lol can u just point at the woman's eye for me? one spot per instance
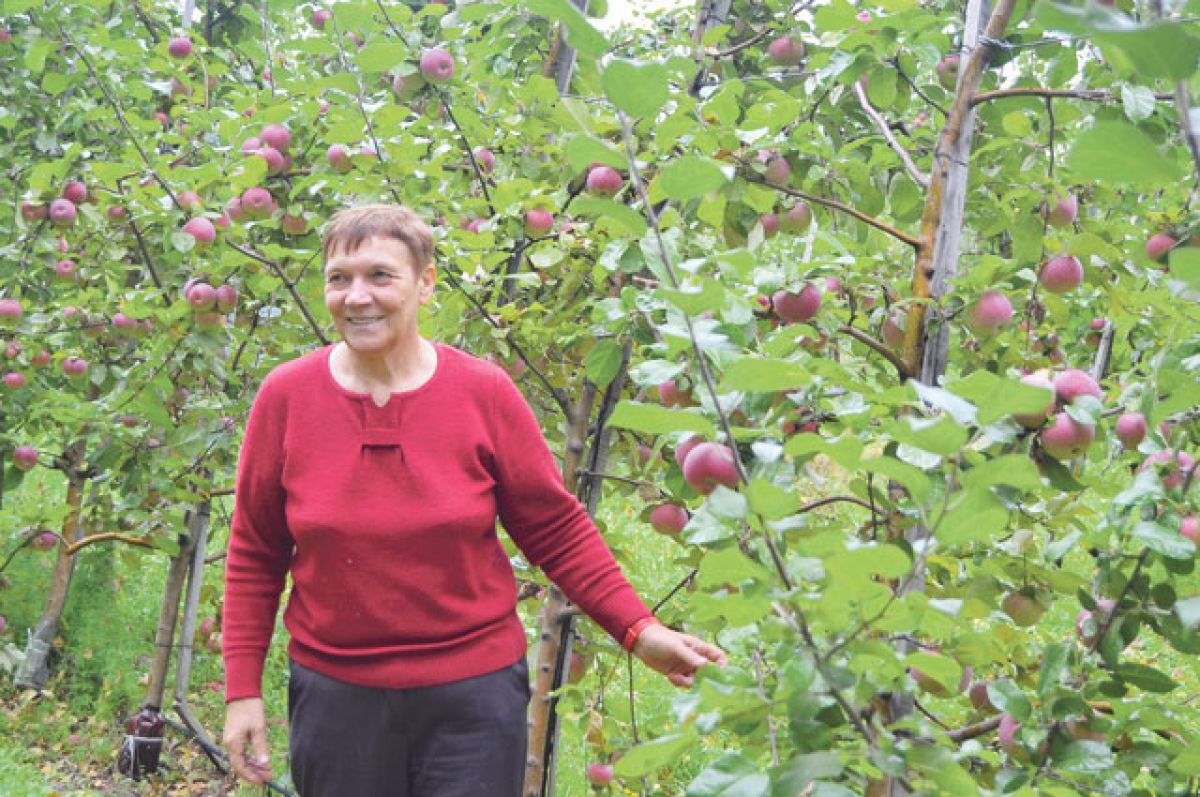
(334, 278)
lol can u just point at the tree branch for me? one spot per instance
(901, 367)
(291, 286)
(882, 124)
(1095, 95)
(834, 204)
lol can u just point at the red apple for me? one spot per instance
(709, 465)
(1025, 607)
(798, 307)
(44, 541)
(227, 297)
(1061, 274)
(947, 71)
(74, 366)
(1062, 210)
(785, 51)
(180, 47)
(685, 448)
(670, 394)
(277, 136)
(292, 224)
(1131, 429)
(202, 230)
(599, 774)
(1158, 246)
(1006, 734)
(10, 311)
(124, 323)
(1067, 438)
(1174, 478)
(989, 314)
(604, 181)
(797, 219)
(485, 159)
(668, 518)
(778, 171)
(202, 296)
(257, 203)
(75, 191)
(437, 65)
(1087, 634)
(770, 224)
(32, 211)
(62, 212)
(1190, 527)
(1072, 383)
(538, 222)
(319, 17)
(41, 359)
(14, 380)
(979, 697)
(339, 158)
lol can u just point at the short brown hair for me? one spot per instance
(351, 226)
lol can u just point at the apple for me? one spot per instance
(1072, 383)
(202, 230)
(13, 350)
(213, 643)
(1098, 324)
(770, 224)
(947, 71)
(476, 225)
(1131, 429)
(1062, 210)
(1006, 734)
(778, 171)
(62, 212)
(576, 668)
(1174, 478)
(708, 465)
(1066, 438)
(273, 157)
(201, 296)
(227, 297)
(25, 457)
(485, 159)
(10, 311)
(785, 51)
(257, 203)
(798, 307)
(180, 47)
(124, 323)
(1025, 607)
(670, 394)
(978, 695)
(14, 380)
(538, 222)
(599, 774)
(319, 17)
(75, 191)
(277, 136)
(685, 448)
(292, 224)
(44, 541)
(32, 211)
(604, 181)
(190, 201)
(1061, 274)
(338, 157)
(5, 35)
(934, 687)
(1158, 246)
(437, 65)
(74, 366)
(179, 88)
(1189, 527)
(668, 519)
(893, 329)
(41, 359)
(251, 145)
(989, 314)
(3, 623)
(797, 219)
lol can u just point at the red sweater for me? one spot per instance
(386, 519)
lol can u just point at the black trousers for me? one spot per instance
(466, 738)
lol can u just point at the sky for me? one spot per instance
(620, 10)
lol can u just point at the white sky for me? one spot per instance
(623, 10)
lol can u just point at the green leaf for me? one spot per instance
(914, 480)
(584, 150)
(943, 669)
(1189, 611)
(938, 435)
(1119, 153)
(35, 56)
(1008, 697)
(759, 375)
(770, 501)
(580, 33)
(604, 361)
(694, 300)
(637, 89)
(649, 756)
(1163, 541)
(1012, 470)
(653, 419)
(690, 177)
(1145, 677)
(797, 775)
(380, 56)
(1162, 50)
(626, 217)
(1054, 665)
(1187, 763)
(977, 516)
(1138, 101)
(1085, 756)
(731, 775)
(1185, 265)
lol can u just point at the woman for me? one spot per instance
(373, 471)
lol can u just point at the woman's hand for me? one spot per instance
(245, 722)
(675, 655)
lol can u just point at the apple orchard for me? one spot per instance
(888, 315)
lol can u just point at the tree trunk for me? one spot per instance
(33, 671)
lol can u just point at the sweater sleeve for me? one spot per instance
(260, 548)
(549, 524)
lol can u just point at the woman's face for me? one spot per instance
(374, 292)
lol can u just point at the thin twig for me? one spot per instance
(291, 286)
(881, 123)
(835, 205)
(1095, 95)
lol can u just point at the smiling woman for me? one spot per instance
(373, 471)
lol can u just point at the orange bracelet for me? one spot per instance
(635, 631)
